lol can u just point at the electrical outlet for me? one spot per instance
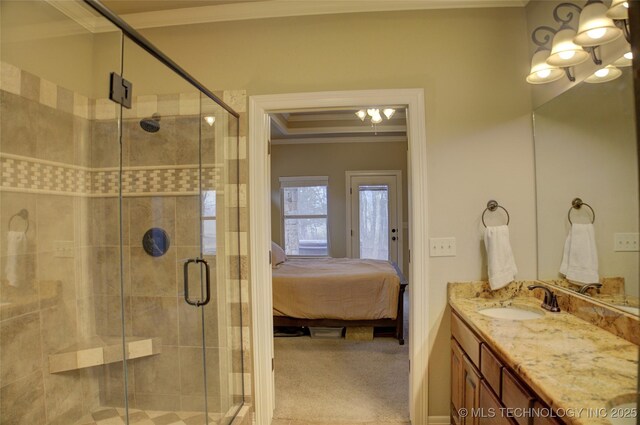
(442, 247)
(63, 249)
(625, 242)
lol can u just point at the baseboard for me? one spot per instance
(439, 420)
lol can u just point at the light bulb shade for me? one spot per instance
(564, 51)
(623, 62)
(373, 111)
(604, 75)
(541, 71)
(619, 9)
(210, 119)
(595, 27)
(388, 112)
(361, 114)
(376, 119)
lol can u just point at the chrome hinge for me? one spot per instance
(273, 364)
(270, 258)
(269, 147)
(120, 90)
(351, 232)
(409, 255)
(350, 191)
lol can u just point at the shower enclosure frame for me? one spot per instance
(124, 86)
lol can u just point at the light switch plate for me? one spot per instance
(625, 242)
(442, 247)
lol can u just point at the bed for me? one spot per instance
(337, 292)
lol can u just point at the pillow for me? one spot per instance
(277, 255)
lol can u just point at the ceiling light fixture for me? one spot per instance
(374, 114)
(569, 47)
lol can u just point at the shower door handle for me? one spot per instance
(197, 303)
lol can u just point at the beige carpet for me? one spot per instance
(341, 381)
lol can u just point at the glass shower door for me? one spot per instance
(180, 210)
(169, 285)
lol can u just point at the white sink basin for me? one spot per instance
(623, 413)
(511, 313)
(630, 309)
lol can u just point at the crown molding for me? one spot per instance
(290, 8)
(330, 140)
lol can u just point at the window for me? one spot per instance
(304, 215)
(209, 222)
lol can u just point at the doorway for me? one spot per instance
(374, 211)
(260, 243)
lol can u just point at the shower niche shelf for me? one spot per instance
(102, 350)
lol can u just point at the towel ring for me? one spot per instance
(577, 204)
(23, 214)
(492, 206)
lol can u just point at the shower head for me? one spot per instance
(152, 124)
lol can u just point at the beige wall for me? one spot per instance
(333, 160)
(586, 147)
(471, 65)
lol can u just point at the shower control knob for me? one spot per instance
(393, 230)
(393, 238)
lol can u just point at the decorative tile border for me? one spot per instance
(27, 174)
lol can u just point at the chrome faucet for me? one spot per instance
(583, 290)
(550, 300)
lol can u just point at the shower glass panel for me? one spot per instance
(101, 209)
(60, 304)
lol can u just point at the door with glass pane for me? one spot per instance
(374, 215)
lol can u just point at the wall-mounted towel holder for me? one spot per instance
(493, 206)
(23, 214)
(576, 204)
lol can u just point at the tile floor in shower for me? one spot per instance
(115, 416)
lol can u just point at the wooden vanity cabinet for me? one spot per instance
(485, 387)
(471, 391)
(457, 364)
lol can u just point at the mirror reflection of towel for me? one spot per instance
(580, 258)
(502, 265)
(16, 244)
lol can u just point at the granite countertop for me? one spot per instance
(570, 363)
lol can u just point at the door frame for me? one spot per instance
(259, 201)
(400, 218)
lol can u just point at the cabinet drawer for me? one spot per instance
(516, 396)
(467, 340)
(537, 406)
(491, 369)
(490, 408)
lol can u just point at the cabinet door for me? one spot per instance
(490, 408)
(471, 391)
(541, 420)
(456, 380)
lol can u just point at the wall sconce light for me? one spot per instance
(619, 12)
(603, 75)
(595, 27)
(569, 47)
(210, 119)
(624, 61)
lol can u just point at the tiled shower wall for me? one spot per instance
(65, 299)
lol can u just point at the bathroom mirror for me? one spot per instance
(585, 147)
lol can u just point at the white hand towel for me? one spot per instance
(580, 259)
(502, 266)
(16, 243)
